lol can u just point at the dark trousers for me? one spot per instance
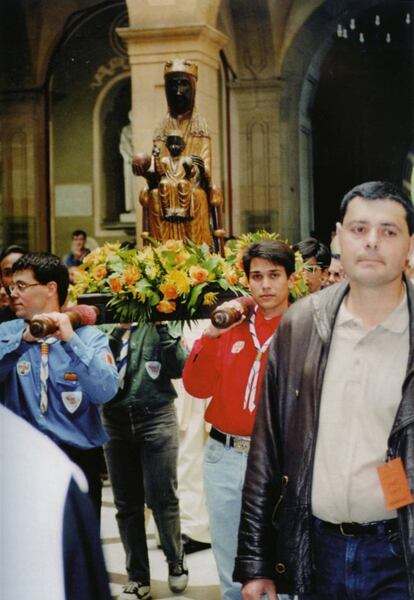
(361, 567)
(142, 463)
(90, 463)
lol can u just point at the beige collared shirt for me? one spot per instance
(360, 397)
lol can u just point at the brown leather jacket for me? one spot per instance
(275, 527)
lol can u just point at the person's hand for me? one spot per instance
(255, 588)
(213, 332)
(64, 330)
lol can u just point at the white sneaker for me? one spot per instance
(133, 590)
(178, 575)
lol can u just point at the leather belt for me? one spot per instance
(239, 443)
(351, 529)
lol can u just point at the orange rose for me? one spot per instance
(231, 277)
(169, 290)
(197, 274)
(115, 284)
(131, 275)
(99, 272)
(166, 307)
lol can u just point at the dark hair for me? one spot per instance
(13, 248)
(380, 190)
(274, 251)
(79, 232)
(46, 267)
(313, 248)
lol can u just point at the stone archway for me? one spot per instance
(301, 73)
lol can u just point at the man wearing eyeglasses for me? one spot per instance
(316, 260)
(56, 383)
(7, 259)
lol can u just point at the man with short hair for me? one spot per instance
(7, 259)
(78, 251)
(336, 271)
(56, 383)
(335, 422)
(228, 365)
(316, 258)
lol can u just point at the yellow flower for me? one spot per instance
(146, 254)
(239, 261)
(99, 272)
(244, 281)
(210, 298)
(169, 290)
(180, 280)
(91, 257)
(173, 246)
(198, 274)
(180, 258)
(152, 271)
(111, 249)
(166, 307)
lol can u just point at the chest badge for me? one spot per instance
(153, 368)
(237, 347)
(71, 400)
(23, 367)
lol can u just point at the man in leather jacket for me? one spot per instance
(337, 402)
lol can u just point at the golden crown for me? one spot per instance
(180, 65)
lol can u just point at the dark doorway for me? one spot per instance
(362, 115)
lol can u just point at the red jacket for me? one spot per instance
(220, 367)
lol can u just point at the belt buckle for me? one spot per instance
(241, 444)
(341, 529)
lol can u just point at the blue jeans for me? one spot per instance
(142, 463)
(224, 472)
(363, 567)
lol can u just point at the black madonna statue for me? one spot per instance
(179, 200)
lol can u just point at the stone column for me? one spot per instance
(23, 171)
(257, 157)
(149, 49)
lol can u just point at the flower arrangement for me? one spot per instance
(173, 278)
(159, 277)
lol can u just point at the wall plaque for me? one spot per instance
(73, 200)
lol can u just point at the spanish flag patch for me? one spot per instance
(70, 377)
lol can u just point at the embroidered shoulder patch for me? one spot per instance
(71, 400)
(109, 358)
(237, 347)
(153, 368)
(23, 367)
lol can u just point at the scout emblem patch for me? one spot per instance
(237, 347)
(23, 367)
(71, 400)
(153, 368)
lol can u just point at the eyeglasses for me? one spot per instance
(312, 268)
(21, 286)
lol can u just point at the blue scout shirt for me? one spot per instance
(82, 375)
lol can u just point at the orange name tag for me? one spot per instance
(394, 484)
